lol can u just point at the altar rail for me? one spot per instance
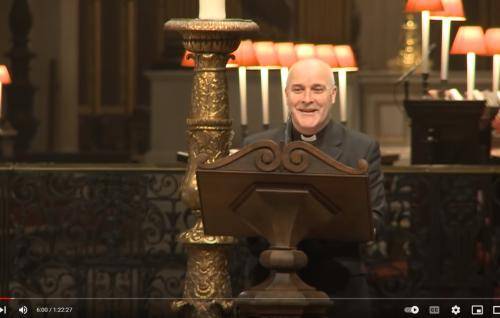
(84, 233)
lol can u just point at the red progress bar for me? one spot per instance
(6, 298)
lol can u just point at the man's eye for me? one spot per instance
(319, 90)
(297, 90)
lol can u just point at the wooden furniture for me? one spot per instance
(285, 194)
(450, 132)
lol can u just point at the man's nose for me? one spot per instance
(307, 96)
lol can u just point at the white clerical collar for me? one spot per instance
(308, 138)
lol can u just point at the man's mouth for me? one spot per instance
(308, 111)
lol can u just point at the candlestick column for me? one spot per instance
(207, 287)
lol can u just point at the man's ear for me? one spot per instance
(334, 94)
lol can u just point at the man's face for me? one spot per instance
(309, 96)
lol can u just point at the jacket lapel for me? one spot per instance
(331, 141)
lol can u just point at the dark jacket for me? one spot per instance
(346, 146)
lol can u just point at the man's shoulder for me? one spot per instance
(273, 134)
(359, 139)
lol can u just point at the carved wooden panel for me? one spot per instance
(108, 60)
(325, 21)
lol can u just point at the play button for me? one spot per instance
(3, 310)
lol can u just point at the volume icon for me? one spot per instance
(23, 310)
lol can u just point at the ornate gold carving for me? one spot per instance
(210, 93)
(237, 26)
(409, 54)
(204, 270)
(196, 235)
(207, 287)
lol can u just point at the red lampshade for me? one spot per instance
(245, 54)
(266, 54)
(345, 57)
(423, 5)
(326, 53)
(286, 53)
(4, 75)
(469, 39)
(492, 40)
(185, 61)
(453, 10)
(305, 51)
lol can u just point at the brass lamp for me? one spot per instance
(453, 11)
(469, 41)
(492, 38)
(425, 7)
(346, 63)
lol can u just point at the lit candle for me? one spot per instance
(212, 9)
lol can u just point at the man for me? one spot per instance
(334, 268)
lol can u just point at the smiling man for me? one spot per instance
(335, 268)
(310, 93)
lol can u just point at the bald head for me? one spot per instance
(311, 66)
(310, 92)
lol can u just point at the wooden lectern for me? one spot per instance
(285, 193)
(450, 132)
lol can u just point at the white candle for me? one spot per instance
(284, 76)
(496, 72)
(445, 48)
(1, 110)
(342, 95)
(425, 41)
(264, 85)
(471, 69)
(242, 72)
(212, 9)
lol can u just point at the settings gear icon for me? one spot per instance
(455, 310)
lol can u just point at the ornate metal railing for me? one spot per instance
(72, 235)
(441, 234)
(92, 232)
